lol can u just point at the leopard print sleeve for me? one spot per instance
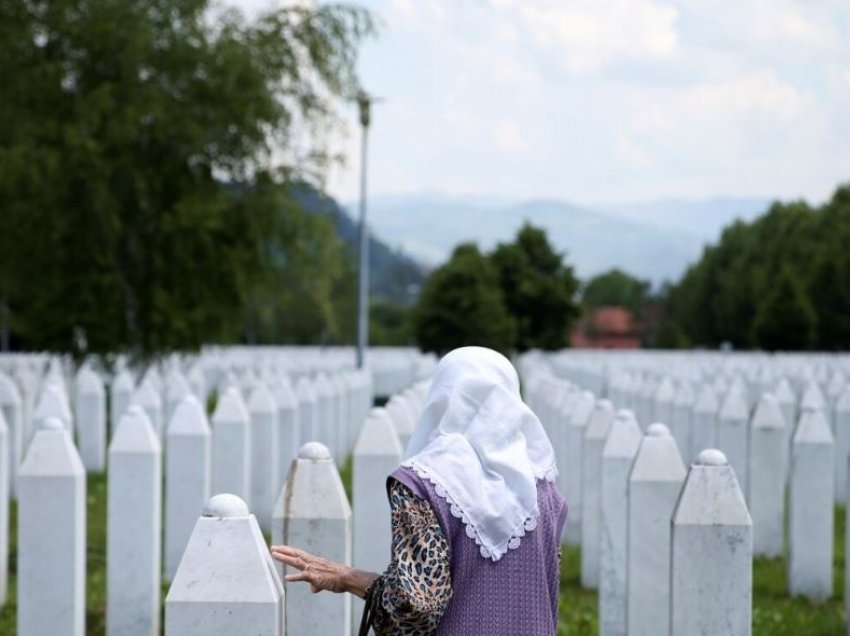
(409, 599)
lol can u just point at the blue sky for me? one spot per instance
(605, 100)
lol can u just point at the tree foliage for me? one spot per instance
(539, 289)
(119, 123)
(462, 304)
(615, 288)
(789, 269)
(516, 298)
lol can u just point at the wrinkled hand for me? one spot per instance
(321, 574)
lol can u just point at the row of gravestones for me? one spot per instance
(53, 474)
(670, 549)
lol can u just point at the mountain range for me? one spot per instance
(655, 240)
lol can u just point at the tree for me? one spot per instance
(462, 304)
(786, 319)
(615, 288)
(149, 152)
(539, 289)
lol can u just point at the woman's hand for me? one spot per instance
(321, 574)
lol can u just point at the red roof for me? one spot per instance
(607, 328)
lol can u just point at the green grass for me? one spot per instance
(774, 614)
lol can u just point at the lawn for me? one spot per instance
(774, 614)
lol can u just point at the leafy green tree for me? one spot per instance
(119, 123)
(539, 289)
(615, 288)
(462, 304)
(786, 319)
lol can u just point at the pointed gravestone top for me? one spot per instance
(261, 400)
(147, 396)
(89, 382)
(600, 420)
(305, 390)
(734, 406)
(768, 413)
(378, 435)
(624, 437)
(812, 397)
(707, 401)
(9, 393)
(315, 451)
(666, 391)
(658, 430)
(658, 458)
(784, 393)
(52, 403)
(51, 453)
(135, 433)
(813, 428)
(225, 506)
(313, 489)
(711, 494)
(231, 408)
(176, 386)
(284, 393)
(123, 381)
(684, 394)
(712, 457)
(189, 418)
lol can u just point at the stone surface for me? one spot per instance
(11, 406)
(264, 444)
(91, 420)
(617, 457)
(288, 433)
(4, 509)
(733, 433)
(579, 417)
(841, 425)
(403, 418)
(307, 411)
(313, 514)
(53, 403)
(712, 558)
(683, 408)
(51, 535)
(810, 508)
(768, 454)
(231, 445)
(121, 392)
(591, 479)
(134, 527)
(226, 583)
(147, 396)
(324, 410)
(704, 422)
(187, 477)
(376, 455)
(655, 482)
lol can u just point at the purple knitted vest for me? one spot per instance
(516, 595)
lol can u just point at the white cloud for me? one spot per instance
(589, 35)
(509, 138)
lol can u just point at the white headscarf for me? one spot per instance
(482, 448)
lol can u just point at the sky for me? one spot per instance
(604, 101)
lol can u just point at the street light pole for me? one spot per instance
(364, 102)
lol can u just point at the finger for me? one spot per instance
(300, 576)
(295, 562)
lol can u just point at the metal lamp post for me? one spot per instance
(364, 102)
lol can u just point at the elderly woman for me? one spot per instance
(476, 516)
